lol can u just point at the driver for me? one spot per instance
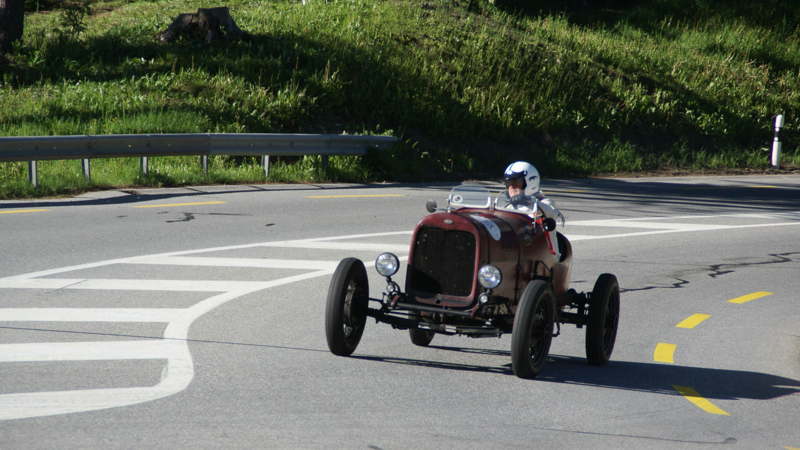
(522, 186)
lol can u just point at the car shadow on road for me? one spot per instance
(432, 364)
(720, 384)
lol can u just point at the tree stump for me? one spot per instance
(208, 24)
(12, 21)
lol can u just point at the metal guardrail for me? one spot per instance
(87, 147)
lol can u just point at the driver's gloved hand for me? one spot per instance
(522, 200)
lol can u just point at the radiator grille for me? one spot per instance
(444, 262)
(510, 242)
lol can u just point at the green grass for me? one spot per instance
(467, 86)
(66, 177)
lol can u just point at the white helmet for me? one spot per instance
(526, 172)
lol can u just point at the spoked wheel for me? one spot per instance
(419, 336)
(603, 320)
(533, 329)
(346, 310)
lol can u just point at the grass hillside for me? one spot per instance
(467, 85)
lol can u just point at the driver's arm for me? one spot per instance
(548, 208)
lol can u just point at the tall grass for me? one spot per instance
(468, 86)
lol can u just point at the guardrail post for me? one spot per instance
(265, 164)
(143, 165)
(33, 174)
(204, 164)
(325, 164)
(87, 169)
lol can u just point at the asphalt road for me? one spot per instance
(194, 318)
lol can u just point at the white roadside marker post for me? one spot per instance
(776, 142)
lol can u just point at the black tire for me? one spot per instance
(533, 329)
(346, 310)
(419, 336)
(603, 320)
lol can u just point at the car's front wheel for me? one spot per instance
(346, 309)
(603, 320)
(532, 332)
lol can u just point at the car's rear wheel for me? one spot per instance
(603, 320)
(346, 309)
(419, 336)
(532, 332)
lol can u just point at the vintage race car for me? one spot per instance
(481, 268)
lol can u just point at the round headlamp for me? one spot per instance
(489, 276)
(387, 264)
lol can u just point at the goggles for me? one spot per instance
(518, 183)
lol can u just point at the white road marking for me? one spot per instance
(131, 285)
(173, 346)
(360, 236)
(37, 404)
(89, 351)
(757, 216)
(351, 246)
(176, 377)
(653, 225)
(663, 228)
(239, 262)
(89, 314)
(301, 243)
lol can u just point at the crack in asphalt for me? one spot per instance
(727, 441)
(191, 216)
(67, 286)
(681, 283)
(718, 270)
(186, 217)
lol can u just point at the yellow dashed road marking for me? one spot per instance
(747, 298)
(694, 397)
(356, 196)
(23, 211)
(693, 321)
(179, 204)
(664, 353)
